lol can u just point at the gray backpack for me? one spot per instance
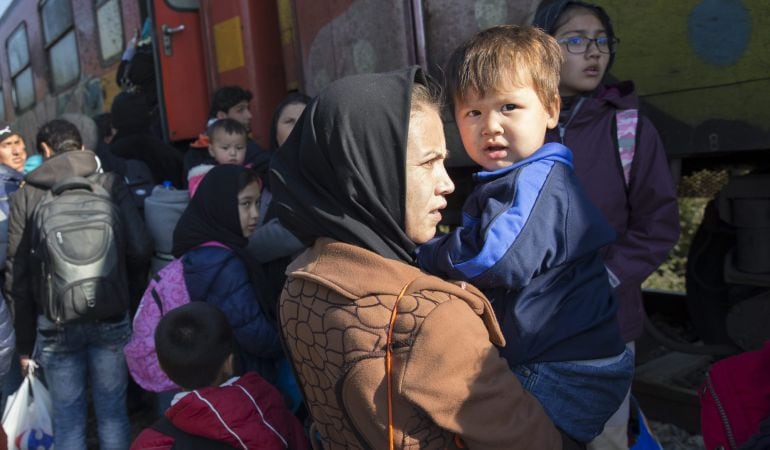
(76, 229)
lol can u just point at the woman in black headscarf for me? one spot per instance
(385, 353)
(211, 237)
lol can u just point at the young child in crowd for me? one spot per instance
(228, 102)
(225, 210)
(227, 145)
(638, 201)
(195, 349)
(530, 237)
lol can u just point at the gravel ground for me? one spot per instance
(674, 438)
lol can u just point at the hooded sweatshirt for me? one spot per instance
(138, 245)
(645, 215)
(245, 413)
(530, 239)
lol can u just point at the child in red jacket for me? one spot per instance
(195, 348)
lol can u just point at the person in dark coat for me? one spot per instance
(73, 353)
(224, 210)
(133, 140)
(640, 200)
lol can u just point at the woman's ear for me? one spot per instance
(47, 150)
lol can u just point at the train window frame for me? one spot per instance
(16, 73)
(97, 5)
(184, 5)
(51, 42)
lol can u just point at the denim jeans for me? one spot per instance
(70, 356)
(579, 396)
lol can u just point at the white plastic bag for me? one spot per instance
(27, 415)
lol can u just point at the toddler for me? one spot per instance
(530, 237)
(227, 145)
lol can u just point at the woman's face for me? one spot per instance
(248, 208)
(286, 121)
(427, 181)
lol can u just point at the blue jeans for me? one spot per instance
(70, 356)
(579, 396)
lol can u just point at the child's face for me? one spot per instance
(248, 208)
(240, 113)
(227, 148)
(503, 127)
(582, 72)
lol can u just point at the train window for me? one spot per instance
(184, 5)
(110, 26)
(23, 85)
(18, 51)
(59, 35)
(57, 18)
(23, 89)
(65, 67)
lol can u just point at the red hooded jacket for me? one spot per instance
(246, 413)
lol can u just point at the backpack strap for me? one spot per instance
(213, 244)
(626, 121)
(184, 440)
(71, 183)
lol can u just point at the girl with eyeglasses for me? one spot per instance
(625, 174)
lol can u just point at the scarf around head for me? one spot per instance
(212, 214)
(341, 175)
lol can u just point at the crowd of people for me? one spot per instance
(318, 307)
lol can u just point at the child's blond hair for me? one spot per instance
(506, 55)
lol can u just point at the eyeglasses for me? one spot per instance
(579, 44)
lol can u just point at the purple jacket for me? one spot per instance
(646, 217)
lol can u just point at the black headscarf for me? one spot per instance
(212, 214)
(341, 174)
(290, 99)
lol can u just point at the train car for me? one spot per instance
(700, 74)
(62, 56)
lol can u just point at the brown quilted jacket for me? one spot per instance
(448, 378)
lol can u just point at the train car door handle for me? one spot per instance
(167, 32)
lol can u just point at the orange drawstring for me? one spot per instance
(388, 356)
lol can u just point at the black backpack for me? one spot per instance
(184, 440)
(138, 178)
(76, 229)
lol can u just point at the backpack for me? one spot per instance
(735, 399)
(184, 440)
(75, 253)
(167, 290)
(138, 178)
(626, 121)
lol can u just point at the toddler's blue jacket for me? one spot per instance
(530, 239)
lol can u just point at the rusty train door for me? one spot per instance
(180, 66)
(242, 44)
